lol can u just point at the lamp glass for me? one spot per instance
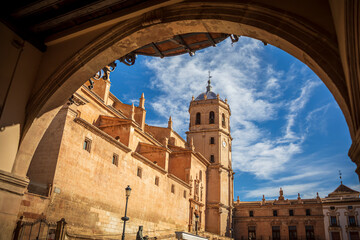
(128, 191)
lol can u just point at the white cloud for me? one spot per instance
(289, 191)
(254, 90)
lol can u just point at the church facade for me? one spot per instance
(96, 146)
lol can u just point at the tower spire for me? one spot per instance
(208, 88)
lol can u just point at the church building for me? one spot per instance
(97, 145)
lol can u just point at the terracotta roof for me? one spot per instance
(342, 189)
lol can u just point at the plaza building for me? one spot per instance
(341, 214)
(277, 219)
(97, 145)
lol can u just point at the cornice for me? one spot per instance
(196, 202)
(159, 148)
(210, 130)
(219, 102)
(178, 180)
(102, 134)
(12, 183)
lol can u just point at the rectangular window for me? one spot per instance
(275, 213)
(184, 193)
(87, 144)
(212, 140)
(333, 221)
(309, 231)
(139, 172)
(352, 221)
(307, 212)
(350, 207)
(292, 233)
(115, 159)
(276, 233)
(291, 212)
(157, 181)
(212, 158)
(251, 213)
(252, 232)
(172, 188)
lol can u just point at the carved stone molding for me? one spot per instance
(11, 183)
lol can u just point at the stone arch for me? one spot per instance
(310, 44)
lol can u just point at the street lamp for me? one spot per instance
(196, 223)
(125, 218)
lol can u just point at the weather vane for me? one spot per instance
(209, 76)
(340, 176)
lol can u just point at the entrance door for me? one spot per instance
(354, 236)
(335, 236)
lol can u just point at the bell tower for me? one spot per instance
(209, 130)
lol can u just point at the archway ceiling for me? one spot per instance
(184, 43)
(36, 20)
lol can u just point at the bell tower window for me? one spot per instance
(211, 117)
(198, 119)
(223, 120)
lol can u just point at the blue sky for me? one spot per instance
(288, 130)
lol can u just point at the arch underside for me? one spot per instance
(308, 43)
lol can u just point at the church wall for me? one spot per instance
(121, 131)
(178, 163)
(224, 219)
(89, 189)
(224, 150)
(212, 220)
(213, 185)
(224, 194)
(154, 154)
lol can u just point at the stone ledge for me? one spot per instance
(12, 183)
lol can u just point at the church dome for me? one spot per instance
(209, 94)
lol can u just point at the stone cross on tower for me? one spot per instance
(208, 88)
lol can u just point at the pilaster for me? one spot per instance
(12, 188)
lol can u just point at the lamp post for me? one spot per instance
(196, 223)
(125, 218)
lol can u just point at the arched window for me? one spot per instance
(198, 119)
(223, 120)
(211, 117)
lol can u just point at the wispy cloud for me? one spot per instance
(253, 88)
